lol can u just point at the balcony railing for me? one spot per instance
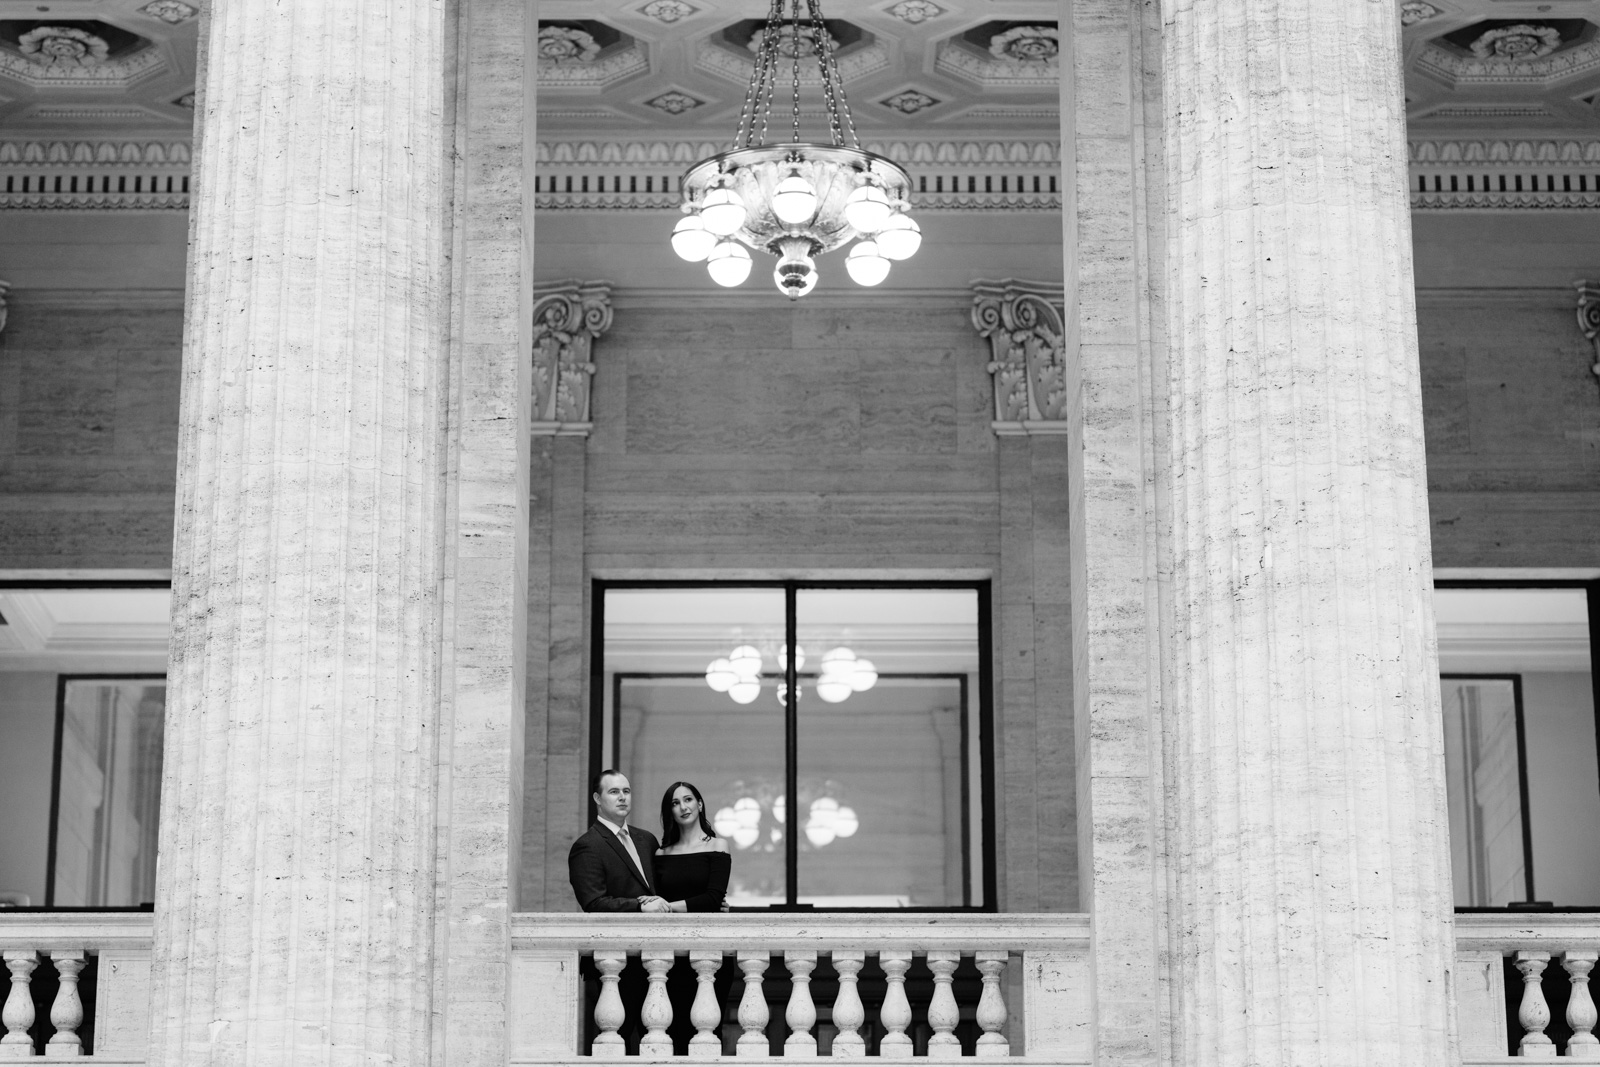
(1034, 1001)
(1550, 955)
(79, 985)
(109, 952)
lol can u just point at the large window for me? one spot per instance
(1523, 769)
(82, 706)
(857, 715)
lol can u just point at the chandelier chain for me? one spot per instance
(794, 46)
(832, 97)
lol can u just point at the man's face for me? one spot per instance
(615, 798)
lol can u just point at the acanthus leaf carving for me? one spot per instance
(567, 319)
(1027, 337)
(1589, 318)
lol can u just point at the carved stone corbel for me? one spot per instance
(567, 318)
(1589, 318)
(1027, 336)
(5, 287)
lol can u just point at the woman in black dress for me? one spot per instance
(692, 867)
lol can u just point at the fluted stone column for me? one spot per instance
(295, 897)
(1305, 775)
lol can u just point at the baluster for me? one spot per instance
(1534, 1014)
(895, 1015)
(66, 1014)
(657, 1011)
(18, 1013)
(706, 1012)
(848, 1013)
(943, 1013)
(1581, 1014)
(753, 1013)
(608, 1011)
(801, 1014)
(992, 1006)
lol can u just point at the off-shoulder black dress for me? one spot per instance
(700, 880)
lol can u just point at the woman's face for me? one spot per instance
(685, 808)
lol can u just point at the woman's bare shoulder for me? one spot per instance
(715, 844)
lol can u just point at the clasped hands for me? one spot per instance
(649, 903)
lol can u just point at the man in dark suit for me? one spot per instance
(612, 868)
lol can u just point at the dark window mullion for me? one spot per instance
(791, 740)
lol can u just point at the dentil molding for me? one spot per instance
(567, 319)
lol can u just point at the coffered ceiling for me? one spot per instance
(97, 66)
(1500, 67)
(911, 67)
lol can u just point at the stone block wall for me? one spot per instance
(88, 435)
(1512, 417)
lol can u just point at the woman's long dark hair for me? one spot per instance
(669, 825)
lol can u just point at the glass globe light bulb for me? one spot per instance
(745, 661)
(794, 200)
(691, 240)
(864, 677)
(845, 823)
(744, 692)
(729, 264)
(867, 266)
(833, 689)
(839, 659)
(780, 809)
(799, 657)
(720, 675)
(900, 237)
(867, 209)
(722, 212)
(726, 822)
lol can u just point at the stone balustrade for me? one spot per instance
(1539, 946)
(1034, 1001)
(57, 947)
(1034, 1007)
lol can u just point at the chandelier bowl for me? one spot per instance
(796, 201)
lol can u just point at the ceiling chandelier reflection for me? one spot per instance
(795, 199)
(842, 673)
(827, 821)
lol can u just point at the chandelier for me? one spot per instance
(739, 674)
(795, 199)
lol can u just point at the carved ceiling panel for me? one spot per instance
(98, 65)
(912, 68)
(1485, 67)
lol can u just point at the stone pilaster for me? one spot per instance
(295, 894)
(1311, 918)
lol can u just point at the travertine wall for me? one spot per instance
(1512, 415)
(817, 439)
(88, 435)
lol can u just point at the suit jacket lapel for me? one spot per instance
(616, 845)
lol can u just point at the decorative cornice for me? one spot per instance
(94, 175)
(1027, 337)
(1478, 174)
(1017, 175)
(567, 319)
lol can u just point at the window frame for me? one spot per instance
(791, 588)
(1591, 588)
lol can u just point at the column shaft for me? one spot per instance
(295, 892)
(1311, 922)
